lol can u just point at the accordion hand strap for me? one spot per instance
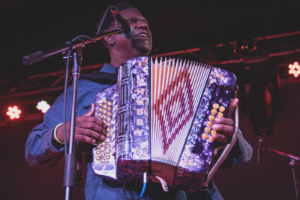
(227, 149)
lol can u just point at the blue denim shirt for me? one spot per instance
(40, 150)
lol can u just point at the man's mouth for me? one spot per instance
(142, 35)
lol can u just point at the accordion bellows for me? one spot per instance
(159, 117)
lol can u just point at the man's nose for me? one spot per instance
(142, 24)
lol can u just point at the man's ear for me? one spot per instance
(109, 40)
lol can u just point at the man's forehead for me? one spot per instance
(131, 13)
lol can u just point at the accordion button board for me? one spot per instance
(104, 152)
(160, 116)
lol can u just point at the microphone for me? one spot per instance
(259, 153)
(128, 31)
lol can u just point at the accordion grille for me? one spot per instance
(176, 91)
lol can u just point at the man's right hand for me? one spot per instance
(88, 129)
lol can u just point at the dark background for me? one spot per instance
(28, 26)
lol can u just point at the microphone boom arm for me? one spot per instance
(80, 42)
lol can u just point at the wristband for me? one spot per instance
(54, 132)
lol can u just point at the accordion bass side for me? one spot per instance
(159, 117)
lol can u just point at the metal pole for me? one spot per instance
(70, 158)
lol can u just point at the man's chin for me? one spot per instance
(143, 46)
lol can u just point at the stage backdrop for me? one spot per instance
(272, 179)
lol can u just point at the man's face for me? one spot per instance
(141, 43)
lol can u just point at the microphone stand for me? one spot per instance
(75, 47)
(292, 163)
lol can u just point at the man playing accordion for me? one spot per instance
(45, 143)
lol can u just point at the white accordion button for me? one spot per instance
(216, 106)
(222, 108)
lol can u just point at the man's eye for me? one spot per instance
(131, 21)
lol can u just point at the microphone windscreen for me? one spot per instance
(32, 58)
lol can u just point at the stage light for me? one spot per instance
(294, 69)
(242, 47)
(259, 94)
(43, 106)
(13, 112)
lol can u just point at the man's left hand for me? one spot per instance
(225, 125)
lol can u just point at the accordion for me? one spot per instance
(159, 119)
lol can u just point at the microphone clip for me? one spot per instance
(126, 30)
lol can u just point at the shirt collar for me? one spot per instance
(109, 69)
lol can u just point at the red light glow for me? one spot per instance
(13, 112)
(294, 69)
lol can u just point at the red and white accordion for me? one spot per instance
(159, 117)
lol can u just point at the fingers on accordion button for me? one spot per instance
(204, 136)
(214, 111)
(98, 146)
(210, 139)
(211, 118)
(220, 115)
(103, 143)
(213, 132)
(222, 108)
(102, 148)
(216, 106)
(209, 123)
(207, 130)
(104, 121)
(98, 158)
(98, 152)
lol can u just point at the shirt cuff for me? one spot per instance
(47, 146)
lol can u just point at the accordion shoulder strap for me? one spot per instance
(101, 77)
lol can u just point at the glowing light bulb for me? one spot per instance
(294, 69)
(43, 106)
(13, 112)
